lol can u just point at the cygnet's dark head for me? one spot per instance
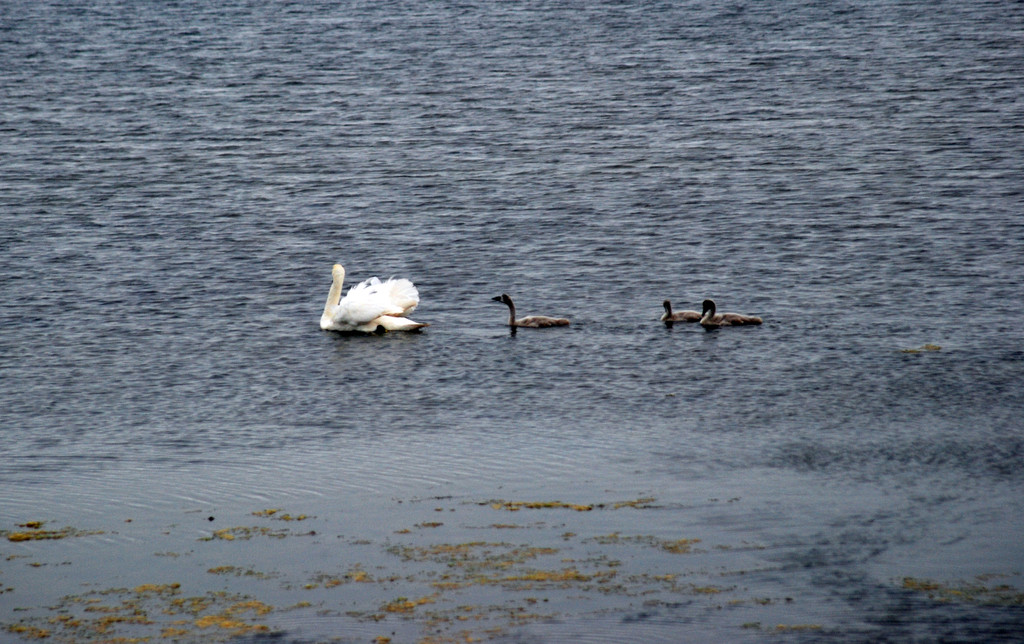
(709, 306)
(504, 298)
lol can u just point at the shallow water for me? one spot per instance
(177, 181)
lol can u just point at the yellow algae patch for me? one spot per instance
(45, 535)
(220, 621)
(29, 632)
(922, 348)
(919, 584)
(706, 590)
(1002, 595)
(567, 574)
(644, 502)
(477, 555)
(443, 551)
(245, 533)
(405, 605)
(193, 605)
(252, 605)
(100, 608)
(104, 624)
(32, 525)
(522, 554)
(450, 585)
(66, 621)
(146, 613)
(238, 572)
(159, 589)
(515, 506)
(461, 638)
(328, 581)
(272, 513)
(227, 618)
(679, 546)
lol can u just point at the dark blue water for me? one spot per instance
(176, 180)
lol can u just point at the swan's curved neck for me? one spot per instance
(668, 308)
(334, 295)
(511, 312)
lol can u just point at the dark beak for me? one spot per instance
(496, 299)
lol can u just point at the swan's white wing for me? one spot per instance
(402, 294)
(364, 302)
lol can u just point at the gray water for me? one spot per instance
(176, 180)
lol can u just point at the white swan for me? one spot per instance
(532, 321)
(710, 320)
(668, 317)
(370, 306)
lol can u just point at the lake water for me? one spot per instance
(186, 456)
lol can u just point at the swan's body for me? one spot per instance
(532, 321)
(370, 306)
(679, 316)
(711, 320)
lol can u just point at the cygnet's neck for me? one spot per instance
(708, 312)
(511, 311)
(507, 301)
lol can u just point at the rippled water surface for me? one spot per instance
(176, 180)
